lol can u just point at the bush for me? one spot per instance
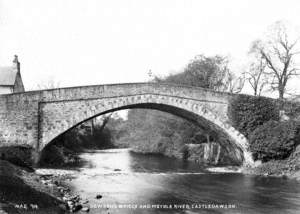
(249, 112)
(275, 140)
(18, 155)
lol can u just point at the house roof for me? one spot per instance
(7, 76)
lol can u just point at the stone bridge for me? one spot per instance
(33, 119)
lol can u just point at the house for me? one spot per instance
(10, 78)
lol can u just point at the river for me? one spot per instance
(137, 181)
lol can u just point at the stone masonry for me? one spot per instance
(35, 118)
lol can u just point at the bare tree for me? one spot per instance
(279, 51)
(256, 77)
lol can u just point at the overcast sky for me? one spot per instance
(83, 42)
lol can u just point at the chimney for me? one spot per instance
(16, 63)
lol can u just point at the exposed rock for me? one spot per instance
(77, 207)
(98, 196)
(211, 154)
(70, 204)
(65, 198)
(85, 202)
(85, 209)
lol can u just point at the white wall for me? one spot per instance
(6, 90)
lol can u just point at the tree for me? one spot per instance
(207, 72)
(279, 51)
(159, 132)
(106, 119)
(256, 77)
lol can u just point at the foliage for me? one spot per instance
(18, 155)
(151, 131)
(207, 72)
(275, 140)
(63, 150)
(248, 112)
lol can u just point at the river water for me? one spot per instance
(131, 183)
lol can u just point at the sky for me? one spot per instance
(84, 42)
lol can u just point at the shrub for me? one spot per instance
(275, 140)
(249, 112)
(18, 155)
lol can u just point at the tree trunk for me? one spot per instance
(207, 138)
(255, 91)
(105, 121)
(281, 93)
(92, 126)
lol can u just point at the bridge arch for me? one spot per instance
(57, 117)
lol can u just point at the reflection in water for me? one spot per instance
(124, 177)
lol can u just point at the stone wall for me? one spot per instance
(6, 89)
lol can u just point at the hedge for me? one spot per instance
(249, 112)
(274, 140)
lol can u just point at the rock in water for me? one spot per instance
(70, 204)
(85, 209)
(85, 202)
(77, 208)
(98, 196)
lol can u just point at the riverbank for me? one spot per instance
(274, 169)
(288, 168)
(22, 191)
(61, 178)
